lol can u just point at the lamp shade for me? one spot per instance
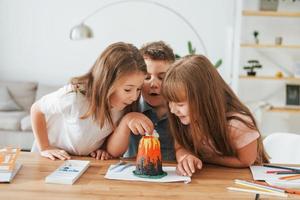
(80, 32)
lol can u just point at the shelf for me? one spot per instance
(285, 109)
(270, 46)
(271, 13)
(269, 78)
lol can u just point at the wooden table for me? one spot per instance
(209, 183)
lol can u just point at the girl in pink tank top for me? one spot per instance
(207, 120)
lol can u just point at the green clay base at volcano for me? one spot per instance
(150, 177)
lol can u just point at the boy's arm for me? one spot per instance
(134, 122)
(246, 156)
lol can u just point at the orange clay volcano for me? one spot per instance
(148, 161)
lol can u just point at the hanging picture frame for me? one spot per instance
(292, 94)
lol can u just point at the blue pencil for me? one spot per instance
(291, 172)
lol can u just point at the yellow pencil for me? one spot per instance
(260, 187)
(257, 192)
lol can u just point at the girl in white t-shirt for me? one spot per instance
(76, 119)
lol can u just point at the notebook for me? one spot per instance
(68, 172)
(7, 176)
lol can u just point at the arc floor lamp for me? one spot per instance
(82, 31)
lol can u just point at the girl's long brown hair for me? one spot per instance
(97, 85)
(212, 104)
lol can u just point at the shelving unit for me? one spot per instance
(284, 109)
(243, 45)
(270, 13)
(266, 94)
(246, 45)
(270, 78)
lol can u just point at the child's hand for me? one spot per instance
(54, 153)
(188, 165)
(138, 123)
(100, 155)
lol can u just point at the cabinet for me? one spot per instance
(265, 93)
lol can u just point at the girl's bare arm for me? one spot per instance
(246, 156)
(39, 128)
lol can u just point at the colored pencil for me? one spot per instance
(257, 192)
(120, 163)
(293, 177)
(281, 167)
(257, 186)
(277, 171)
(291, 172)
(287, 190)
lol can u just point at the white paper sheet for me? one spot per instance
(127, 174)
(260, 173)
(6, 176)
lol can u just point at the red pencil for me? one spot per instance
(276, 171)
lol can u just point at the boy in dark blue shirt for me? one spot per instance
(158, 57)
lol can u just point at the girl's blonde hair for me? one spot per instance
(212, 104)
(97, 85)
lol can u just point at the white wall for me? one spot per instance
(35, 43)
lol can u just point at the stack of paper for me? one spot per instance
(8, 165)
(260, 173)
(68, 172)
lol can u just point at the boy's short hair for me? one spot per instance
(158, 51)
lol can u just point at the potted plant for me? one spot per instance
(255, 34)
(252, 65)
(192, 51)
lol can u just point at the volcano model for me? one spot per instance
(148, 161)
